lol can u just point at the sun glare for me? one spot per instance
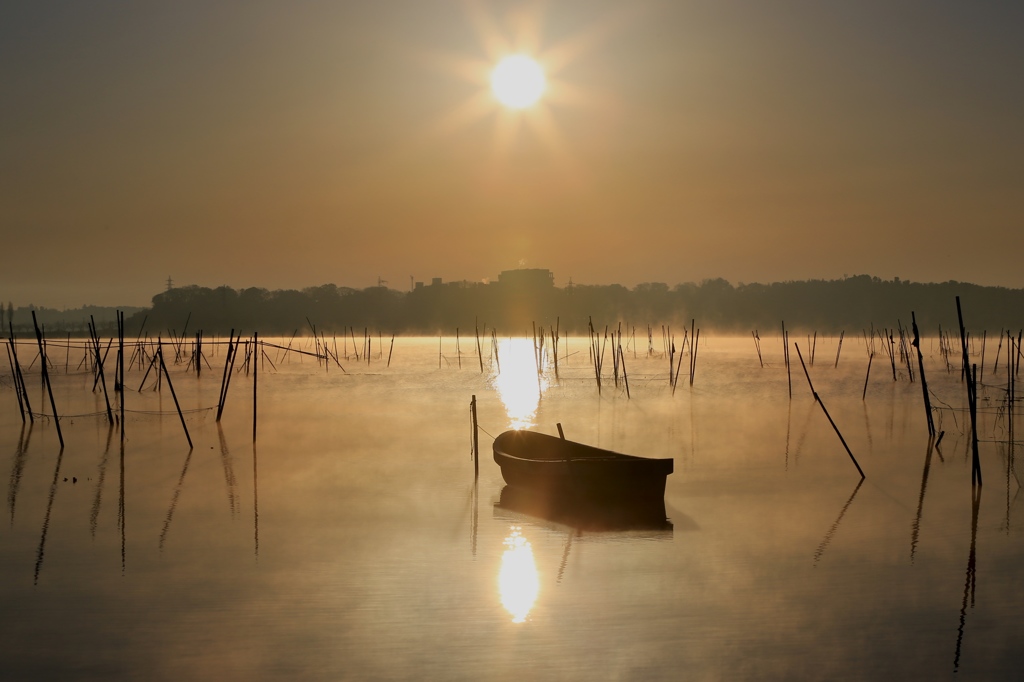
(518, 81)
(518, 580)
(518, 383)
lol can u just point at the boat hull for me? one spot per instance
(543, 463)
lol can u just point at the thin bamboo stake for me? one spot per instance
(785, 356)
(972, 397)
(17, 387)
(226, 377)
(693, 357)
(671, 356)
(479, 353)
(152, 363)
(99, 367)
(163, 366)
(46, 380)
(255, 376)
(554, 347)
(476, 439)
(120, 364)
(625, 379)
(916, 343)
(984, 339)
(864, 395)
(817, 399)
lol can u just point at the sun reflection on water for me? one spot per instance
(518, 581)
(517, 381)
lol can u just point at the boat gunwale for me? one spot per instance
(601, 455)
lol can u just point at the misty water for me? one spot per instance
(351, 542)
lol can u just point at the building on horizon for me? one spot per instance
(527, 278)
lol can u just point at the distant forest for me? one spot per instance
(513, 304)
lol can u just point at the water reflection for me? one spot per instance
(835, 526)
(101, 476)
(46, 519)
(518, 581)
(970, 583)
(174, 499)
(586, 515)
(916, 526)
(18, 467)
(519, 380)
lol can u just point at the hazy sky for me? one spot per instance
(292, 144)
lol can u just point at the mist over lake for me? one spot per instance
(351, 541)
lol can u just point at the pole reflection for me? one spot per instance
(518, 580)
(520, 381)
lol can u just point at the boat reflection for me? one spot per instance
(518, 581)
(583, 514)
(519, 382)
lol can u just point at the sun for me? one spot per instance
(518, 81)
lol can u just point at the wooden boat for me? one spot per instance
(539, 462)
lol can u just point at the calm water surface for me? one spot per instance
(350, 542)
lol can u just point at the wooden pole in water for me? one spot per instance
(46, 380)
(972, 397)
(120, 342)
(391, 349)
(163, 366)
(1016, 370)
(255, 376)
(622, 360)
(671, 356)
(555, 337)
(479, 352)
(975, 458)
(228, 363)
(840, 348)
(476, 439)
(817, 399)
(152, 364)
(1009, 388)
(537, 358)
(785, 357)
(693, 357)
(920, 371)
(17, 385)
(984, 338)
(99, 367)
(865, 394)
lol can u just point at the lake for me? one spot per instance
(351, 541)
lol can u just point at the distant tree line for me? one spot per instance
(71, 321)
(828, 306)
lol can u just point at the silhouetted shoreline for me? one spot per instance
(521, 298)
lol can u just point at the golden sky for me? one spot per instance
(287, 145)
